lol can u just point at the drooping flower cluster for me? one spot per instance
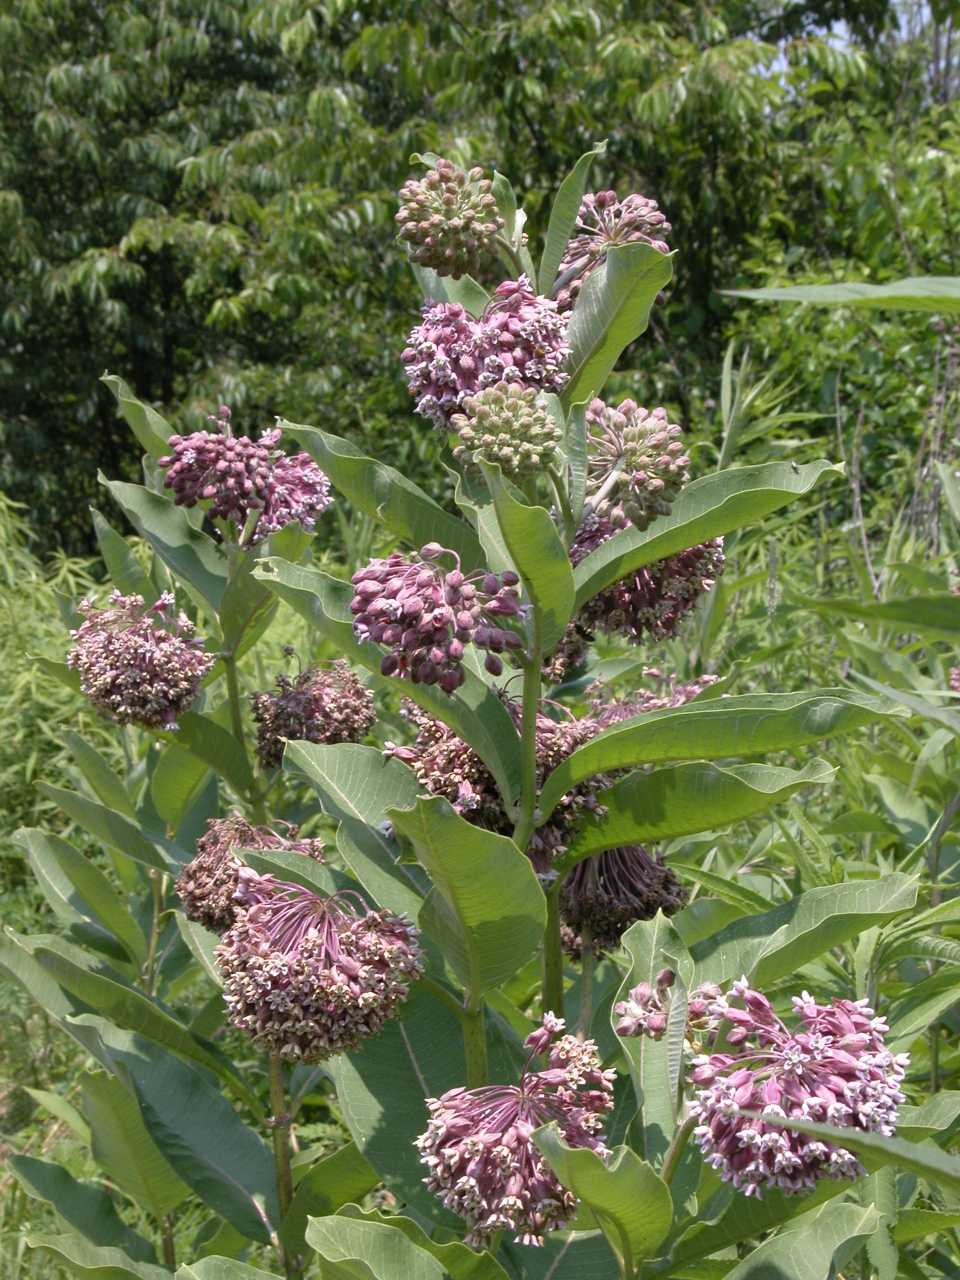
(239, 476)
(649, 602)
(426, 615)
(608, 892)
(450, 220)
(644, 1012)
(505, 425)
(327, 706)
(138, 664)
(478, 1144)
(602, 222)
(521, 338)
(308, 977)
(833, 1068)
(207, 885)
(637, 462)
(671, 693)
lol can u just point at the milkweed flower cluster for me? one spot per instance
(320, 705)
(644, 1012)
(670, 693)
(602, 222)
(138, 664)
(449, 220)
(608, 892)
(505, 425)
(426, 615)
(521, 338)
(833, 1068)
(207, 885)
(637, 462)
(239, 476)
(307, 976)
(478, 1145)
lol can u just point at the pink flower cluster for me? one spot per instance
(520, 338)
(207, 885)
(239, 476)
(833, 1068)
(426, 615)
(138, 664)
(670, 693)
(644, 1012)
(328, 706)
(637, 462)
(602, 222)
(308, 977)
(478, 1144)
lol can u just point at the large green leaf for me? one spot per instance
(86, 1208)
(474, 712)
(331, 1182)
(146, 424)
(940, 1112)
(353, 1249)
(189, 554)
(94, 896)
(460, 1262)
(126, 571)
(389, 496)
(541, 560)
(99, 776)
(213, 1268)
(807, 1252)
(878, 1152)
(95, 1262)
(778, 942)
(681, 799)
(612, 309)
(217, 747)
(498, 911)
(247, 607)
(751, 724)
(177, 782)
(122, 1145)
(916, 293)
(563, 217)
(709, 507)
(470, 295)
(914, 1224)
(107, 825)
(933, 614)
(631, 1203)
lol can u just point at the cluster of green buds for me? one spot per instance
(637, 465)
(449, 220)
(504, 424)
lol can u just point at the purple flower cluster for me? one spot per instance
(602, 222)
(239, 476)
(671, 693)
(450, 220)
(426, 615)
(478, 1145)
(608, 892)
(834, 1068)
(207, 885)
(644, 1012)
(521, 338)
(955, 679)
(637, 462)
(138, 665)
(308, 977)
(328, 706)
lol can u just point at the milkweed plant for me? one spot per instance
(419, 883)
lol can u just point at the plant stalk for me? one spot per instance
(526, 819)
(675, 1150)
(255, 800)
(475, 1045)
(588, 962)
(149, 971)
(553, 956)
(280, 1125)
(507, 250)
(169, 1245)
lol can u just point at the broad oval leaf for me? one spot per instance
(563, 218)
(95, 1262)
(342, 1176)
(214, 1268)
(107, 825)
(352, 1248)
(124, 568)
(807, 1252)
(459, 1260)
(152, 432)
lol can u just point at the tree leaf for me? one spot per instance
(806, 1253)
(86, 1208)
(539, 556)
(460, 1262)
(631, 1203)
(751, 724)
(112, 828)
(709, 507)
(146, 424)
(474, 712)
(95, 1262)
(331, 1182)
(934, 614)
(647, 807)
(612, 309)
(490, 887)
(915, 293)
(387, 494)
(778, 942)
(122, 1146)
(563, 217)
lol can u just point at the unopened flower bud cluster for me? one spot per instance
(604, 221)
(449, 220)
(506, 426)
(610, 891)
(637, 463)
(325, 706)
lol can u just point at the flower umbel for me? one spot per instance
(478, 1145)
(307, 976)
(610, 891)
(637, 462)
(138, 664)
(449, 219)
(328, 706)
(522, 338)
(602, 222)
(643, 1013)
(833, 1068)
(504, 425)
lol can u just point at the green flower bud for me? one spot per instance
(505, 425)
(450, 220)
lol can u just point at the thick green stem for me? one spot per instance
(563, 503)
(526, 818)
(280, 1124)
(675, 1150)
(475, 1045)
(148, 973)
(169, 1246)
(588, 962)
(257, 810)
(553, 956)
(510, 254)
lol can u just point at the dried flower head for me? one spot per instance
(602, 222)
(207, 885)
(239, 476)
(306, 976)
(522, 338)
(426, 615)
(450, 220)
(320, 705)
(833, 1068)
(138, 664)
(505, 425)
(637, 462)
(608, 892)
(478, 1144)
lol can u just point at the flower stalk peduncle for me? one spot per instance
(475, 1044)
(280, 1125)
